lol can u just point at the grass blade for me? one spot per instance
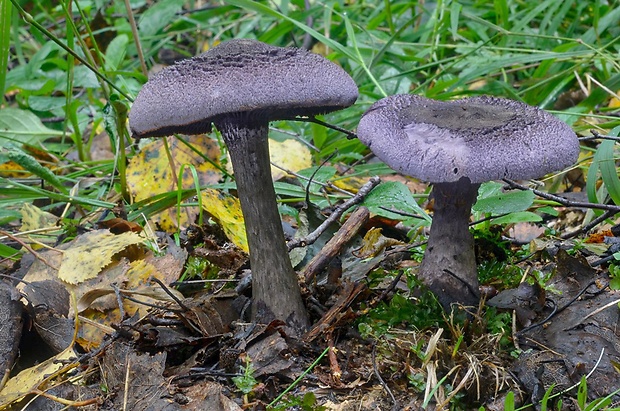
(5, 41)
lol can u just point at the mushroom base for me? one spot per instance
(275, 288)
(449, 264)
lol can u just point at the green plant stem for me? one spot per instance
(5, 42)
(86, 49)
(136, 37)
(76, 136)
(301, 377)
(30, 20)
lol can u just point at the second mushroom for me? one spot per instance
(457, 145)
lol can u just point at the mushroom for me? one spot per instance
(240, 86)
(457, 145)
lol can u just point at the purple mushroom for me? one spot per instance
(240, 86)
(457, 145)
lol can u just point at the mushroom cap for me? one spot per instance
(482, 138)
(239, 76)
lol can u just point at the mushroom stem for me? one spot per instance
(449, 264)
(275, 288)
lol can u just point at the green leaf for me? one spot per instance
(23, 127)
(492, 199)
(509, 401)
(6, 215)
(9, 252)
(517, 217)
(158, 16)
(116, 51)
(607, 164)
(582, 393)
(394, 195)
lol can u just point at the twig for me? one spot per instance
(607, 214)
(333, 360)
(356, 199)
(562, 200)
(391, 287)
(167, 291)
(350, 135)
(126, 387)
(597, 136)
(27, 247)
(328, 184)
(119, 301)
(556, 310)
(351, 227)
(603, 260)
(335, 313)
(378, 374)
(136, 37)
(598, 310)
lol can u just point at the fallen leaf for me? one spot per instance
(288, 154)
(119, 225)
(32, 379)
(91, 253)
(33, 218)
(149, 174)
(374, 243)
(227, 211)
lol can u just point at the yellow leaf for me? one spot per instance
(374, 243)
(96, 298)
(351, 184)
(149, 174)
(615, 101)
(227, 211)
(34, 218)
(290, 155)
(91, 253)
(34, 378)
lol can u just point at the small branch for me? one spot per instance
(597, 136)
(338, 212)
(30, 249)
(563, 201)
(557, 310)
(335, 244)
(607, 214)
(350, 135)
(333, 360)
(378, 374)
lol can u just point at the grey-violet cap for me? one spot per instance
(481, 138)
(239, 77)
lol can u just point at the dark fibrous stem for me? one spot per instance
(451, 246)
(275, 288)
